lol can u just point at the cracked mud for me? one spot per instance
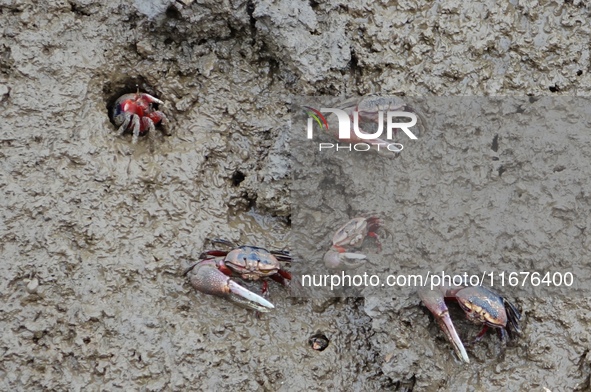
(95, 231)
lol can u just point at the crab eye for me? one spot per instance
(465, 305)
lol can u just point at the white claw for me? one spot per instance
(249, 295)
(153, 99)
(346, 260)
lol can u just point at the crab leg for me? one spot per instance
(282, 277)
(205, 277)
(163, 121)
(126, 120)
(136, 128)
(434, 300)
(148, 124)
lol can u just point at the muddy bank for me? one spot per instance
(95, 231)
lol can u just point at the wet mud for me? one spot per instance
(95, 232)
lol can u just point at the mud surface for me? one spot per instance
(95, 231)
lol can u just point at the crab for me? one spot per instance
(481, 305)
(211, 274)
(371, 108)
(135, 113)
(348, 237)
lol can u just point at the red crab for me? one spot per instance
(135, 113)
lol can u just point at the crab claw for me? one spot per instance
(206, 277)
(149, 98)
(343, 260)
(434, 301)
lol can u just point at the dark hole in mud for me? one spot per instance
(78, 10)
(579, 72)
(501, 171)
(353, 65)
(173, 13)
(5, 59)
(318, 341)
(251, 200)
(250, 10)
(115, 89)
(554, 88)
(237, 178)
(274, 66)
(407, 386)
(495, 143)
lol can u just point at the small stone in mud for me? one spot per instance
(32, 286)
(318, 342)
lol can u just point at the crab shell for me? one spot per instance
(252, 262)
(351, 233)
(482, 309)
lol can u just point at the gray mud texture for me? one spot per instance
(95, 232)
